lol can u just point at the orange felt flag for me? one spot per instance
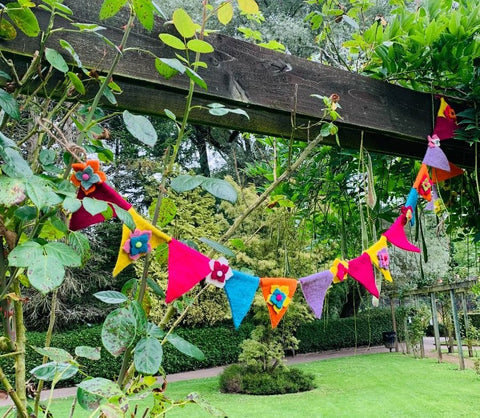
(442, 175)
(278, 293)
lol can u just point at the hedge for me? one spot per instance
(220, 344)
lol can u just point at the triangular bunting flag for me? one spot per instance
(339, 270)
(446, 121)
(278, 293)
(378, 254)
(442, 175)
(435, 157)
(81, 218)
(423, 184)
(134, 244)
(240, 290)
(314, 289)
(410, 205)
(186, 267)
(396, 235)
(361, 270)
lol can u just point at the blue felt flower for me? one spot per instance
(277, 298)
(138, 244)
(87, 177)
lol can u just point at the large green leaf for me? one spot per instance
(140, 127)
(54, 371)
(118, 331)
(58, 355)
(94, 206)
(64, 253)
(148, 355)
(12, 191)
(184, 23)
(72, 204)
(140, 316)
(111, 8)
(7, 30)
(168, 210)
(225, 13)
(9, 105)
(26, 253)
(26, 213)
(197, 45)
(92, 392)
(111, 297)
(185, 347)
(56, 60)
(152, 330)
(46, 274)
(144, 11)
(41, 193)
(218, 247)
(185, 182)
(24, 19)
(91, 353)
(221, 189)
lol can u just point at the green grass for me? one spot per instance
(376, 385)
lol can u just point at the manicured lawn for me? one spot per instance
(377, 385)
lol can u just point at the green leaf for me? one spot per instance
(110, 96)
(141, 128)
(94, 206)
(172, 41)
(9, 105)
(248, 6)
(152, 284)
(54, 371)
(205, 405)
(26, 213)
(185, 182)
(64, 253)
(184, 23)
(140, 316)
(167, 212)
(58, 355)
(72, 204)
(111, 8)
(199, 81)
(15, 165)
(12, 191)
(91, 353)
(66, 45)
(225, 13)
(237, 243)
(168, 67)
(170, 114)
(56, 60)
(185, 347)
(144, 11)
(7, 30)
(154, 331)
(41, 193)
(148, 355)
(118, 331)
(24, 19)
(92, 392)
(4, 75)
(217, 247)
(46, 274)
(87, 27)
(197, 45)
(24, 254)
(221, 189)
(80, 243)
(76, 83)
(47, 156)
(125, 216)
(111, 296)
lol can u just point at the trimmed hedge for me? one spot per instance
(220, 344)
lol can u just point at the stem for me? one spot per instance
(20, 384)
(21, 410)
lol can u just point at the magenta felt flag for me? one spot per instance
(186, 267)
(81, 218)
(396, 235)
(314, 289)
(361, 269)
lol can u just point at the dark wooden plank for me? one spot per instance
(270, 86)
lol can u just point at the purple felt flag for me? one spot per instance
(314, 288)
(435, 157)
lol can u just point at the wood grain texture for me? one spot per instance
(269, 86)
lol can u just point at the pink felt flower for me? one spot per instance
(220, 272)
(138, 244)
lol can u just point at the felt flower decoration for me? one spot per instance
(383, 259)
(379, 256)
(138, 244)
(339, 270)
(220, 273)
(446, 121)
(87, 175)
(278, 298)
(423, 184)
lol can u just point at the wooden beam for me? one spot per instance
(273, 88)
(466, 284)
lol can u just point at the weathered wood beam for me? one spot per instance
(466, 284)
(270, 86)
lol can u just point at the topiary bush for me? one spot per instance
(239, 378)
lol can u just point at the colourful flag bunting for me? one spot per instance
(396, 235)
(361, 270)
(379, 256)
(446, 121)
(278, 293)
(410, 205)
(186, 267)
(439, 175)
(314, 289)
(423, 184)
(240, 290)
(435, 157)
(339, 270)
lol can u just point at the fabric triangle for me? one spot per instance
(423, 184)
(411, 204)
(435, 157)
(396, 235)
(314, 289)
(339, 270)
(278, 293)
(442, 175)
(361, 270)
(446, 121)
(134, 244)
(186, 267)
(240, 290)
(379, 256)
(431, 205)
(81, 218)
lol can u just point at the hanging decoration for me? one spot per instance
(314, 288)
(423, 184)
(278, 293)
(339, 270)
(439, 175)
(220, 272)
(361, 270)
(379, 256)
(435, 157)
(445, 122)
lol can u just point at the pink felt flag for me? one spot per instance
(81, 218)
(446, 121)
(361, 269)
(314, 289)
(186, 267)
(396, 235)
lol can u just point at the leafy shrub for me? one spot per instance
(243, 379)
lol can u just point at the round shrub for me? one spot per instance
(243, 379)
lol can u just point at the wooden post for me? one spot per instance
(466, 323)
(457, 330)
(436, 331)
(394, 323)
(422, 346)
